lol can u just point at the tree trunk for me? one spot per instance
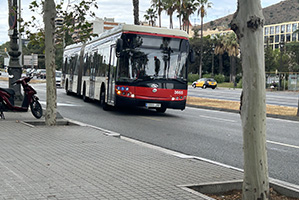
(160, 20)
(170, 22)
(201, 48)
(49, 18)
(248, 25)
(232, 60)
(220, 64)
(298, 108)
(136, 11)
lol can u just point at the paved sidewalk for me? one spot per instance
(81, 162)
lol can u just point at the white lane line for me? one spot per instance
(218, 119)
(283, 120)
(59, 104)
(283, 144)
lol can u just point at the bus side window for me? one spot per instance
(85, 72)
(64, 69)
(98, 64)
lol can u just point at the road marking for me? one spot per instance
(60, 104)
(283, 120)
(215, 111)
(152, 118)
(216, 118)
(283, 144)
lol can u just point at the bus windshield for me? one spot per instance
(151, 57)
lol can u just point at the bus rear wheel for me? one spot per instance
(84, 97)
(102, 100)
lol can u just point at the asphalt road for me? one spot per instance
(204, 133)
(282, 98)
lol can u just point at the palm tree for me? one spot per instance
(150, 16)
(219, 50)
(178, 9)
(170, 7)
(204, 4)
(188, 8)
(136, 11)
(158, 4)
(232, 48)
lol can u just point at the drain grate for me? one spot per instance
(43, 123)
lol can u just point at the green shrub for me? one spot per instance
(220, 78)
(207, 76)
(192, 77)
(240, 84)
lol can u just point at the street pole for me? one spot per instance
(14, 69)
(281, 51)
(20, 36)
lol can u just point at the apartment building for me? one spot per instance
(58, 25)
(276, 34)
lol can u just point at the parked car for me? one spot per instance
(30, 71)
(204, 83)
(58, 78)
(41, 73)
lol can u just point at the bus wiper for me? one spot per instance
(179, 80)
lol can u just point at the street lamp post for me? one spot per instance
(281, 45)
(14, 69)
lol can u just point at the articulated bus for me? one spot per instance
(130, 65)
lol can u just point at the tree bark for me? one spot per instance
(298, 108)
(49, 18)
(201, 48)
(248, 25)
(136, 11)
(220, 64)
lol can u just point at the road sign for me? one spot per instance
(31, 60)
(12, 20)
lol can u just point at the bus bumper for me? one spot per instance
(124, 102)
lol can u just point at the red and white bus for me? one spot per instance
(130, 65)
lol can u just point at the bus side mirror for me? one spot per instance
(191, 56)
(119, 47)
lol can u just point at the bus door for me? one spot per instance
(72, 71)
(80, 71)
(92, 78)
(111, 77)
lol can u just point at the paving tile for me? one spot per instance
(72, 162)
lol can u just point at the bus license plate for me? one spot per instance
(153, 105)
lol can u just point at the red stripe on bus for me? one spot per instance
(156, 34)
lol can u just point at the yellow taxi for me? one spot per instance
(204, 83)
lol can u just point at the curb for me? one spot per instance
(285, 117)
(283, 187)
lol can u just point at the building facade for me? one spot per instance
(276, 34)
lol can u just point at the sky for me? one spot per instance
(122, 11)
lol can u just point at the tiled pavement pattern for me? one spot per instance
(76, 162)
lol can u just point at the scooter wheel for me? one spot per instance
(36, 109)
